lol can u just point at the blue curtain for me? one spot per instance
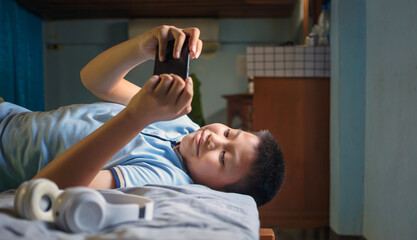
(21, 59)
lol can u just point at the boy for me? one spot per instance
(141, 137)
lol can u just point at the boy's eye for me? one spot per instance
(227, 133)
(222, 158)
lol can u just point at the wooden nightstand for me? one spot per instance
(239, 105)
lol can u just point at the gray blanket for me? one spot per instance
(181, 212)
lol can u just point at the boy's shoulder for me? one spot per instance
(183, 125)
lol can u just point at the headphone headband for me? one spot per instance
(145, 204)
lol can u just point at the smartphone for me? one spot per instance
(179, 66)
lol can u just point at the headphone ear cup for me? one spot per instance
(34, 199)
(18, 199)
(80, 209)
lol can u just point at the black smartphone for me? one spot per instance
(179, 66)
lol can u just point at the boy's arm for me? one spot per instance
(162, 98)
(104, 75)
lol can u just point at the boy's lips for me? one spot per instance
(199, 137)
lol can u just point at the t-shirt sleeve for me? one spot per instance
(143, 173)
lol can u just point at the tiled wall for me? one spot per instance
(289, 61)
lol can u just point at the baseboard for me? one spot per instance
(334, 236)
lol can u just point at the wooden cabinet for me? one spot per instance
(296, 111)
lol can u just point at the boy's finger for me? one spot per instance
(162, 42)
(152, 83)
(177, 88)
(187, 94)
(194, 34)
(179, 42)
(199, 48)
(164, 85)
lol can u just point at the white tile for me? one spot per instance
(269, 50)
(298, 65)
(327, 50)
(299, 57)
(259, 66)
(269, 73)
(289, 49)
(279, 57)
(259, 50)
(250, 50)
(309, 57)
(259, 73)
(299, 50)
(289, 65)
(319, 50)
(279, 49)
(319, 65)
(279, 65)
(298, 73)
(259, 57)
(309, 73)
(279, 73)
(309, 50)
(309, 65)
(250, 65)
(269, 65)
(327, 73)
(269, 58)
(289, 57)
(327, 65)
(251, 73)
(318, 73)
(319, 57)
(289, 72)
(327, 57)
(250, 57)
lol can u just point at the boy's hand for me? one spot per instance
(163, 98)
(161, 35)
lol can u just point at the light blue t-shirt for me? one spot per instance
(30, 140)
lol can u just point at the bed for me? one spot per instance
(180, 212)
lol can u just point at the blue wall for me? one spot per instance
(390, 196)
(79, 42)
(373, 119)
(348, 49)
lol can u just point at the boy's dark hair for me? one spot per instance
(267, 174)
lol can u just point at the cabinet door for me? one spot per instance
(296, 112)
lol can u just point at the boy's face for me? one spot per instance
(217, 155)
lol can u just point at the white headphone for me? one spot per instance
(79, 209)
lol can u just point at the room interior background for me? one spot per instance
(373, 96)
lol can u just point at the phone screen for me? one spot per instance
(179, 66)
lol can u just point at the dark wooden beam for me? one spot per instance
(81, 9)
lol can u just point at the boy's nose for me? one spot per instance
(213, 141)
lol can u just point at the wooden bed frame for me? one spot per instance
(266, 234)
